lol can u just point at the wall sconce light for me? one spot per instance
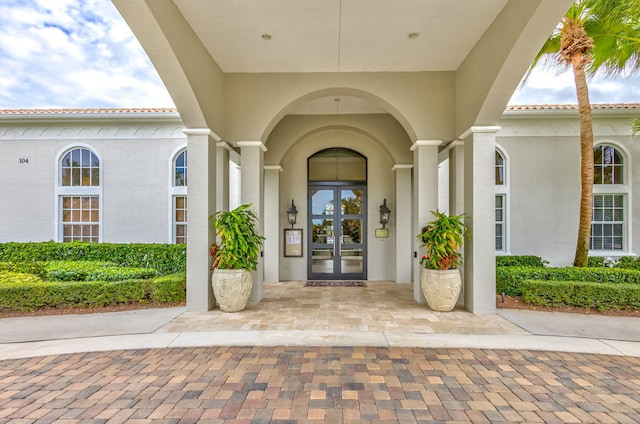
(292, 214)
(384, 213)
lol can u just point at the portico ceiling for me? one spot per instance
(339, 35)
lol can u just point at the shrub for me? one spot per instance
(19, 292)
(94, 293)
(165, 258)
(582, 294)
(35, 268)
(521, 260)
(596, 262)
(629, 262)
(93, 271)
(24, 292)
(10, 278)
(169, 288)
(509, 279)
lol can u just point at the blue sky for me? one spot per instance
(81, 54)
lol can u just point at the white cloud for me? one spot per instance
(551, 87)
(73, 53)
(81, 53)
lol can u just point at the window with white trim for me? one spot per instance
(607, 225)
(180, 170)
(180, 219)
(501, 202)
(610, 194)
(179, 197)
(79, 196)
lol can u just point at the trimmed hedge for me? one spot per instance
(26, 292)
(521, 260)
(510, 279)
(165, 258)
(629, 262)
(11, 278)
(169, 288)
(35, 268)
(582, 294)
(94, 271)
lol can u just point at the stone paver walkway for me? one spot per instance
(320, 384)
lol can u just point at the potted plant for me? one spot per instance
(440, 277)
(235, 255)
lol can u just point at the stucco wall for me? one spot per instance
(423, 102)
(380, 184)
(135, 178)
(543, 160)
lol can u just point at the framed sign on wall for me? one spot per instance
(292, 242)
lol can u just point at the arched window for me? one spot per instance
(79, 196)
(80, 167)
(180, 169)
(610, 198)
(501, 202)
(607, 165)
(337, 164)
(179, 198)
(500, 177)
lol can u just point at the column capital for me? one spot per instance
(201, 131)
(480, 129)
(419, 143)
(401, 166)
(224, 145)
(259, 144)
(273, 168)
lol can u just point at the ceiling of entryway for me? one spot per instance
(339, 35)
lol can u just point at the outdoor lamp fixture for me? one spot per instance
(292, 213)
(384, 214)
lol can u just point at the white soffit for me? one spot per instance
(339, 35)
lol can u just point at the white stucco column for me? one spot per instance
(272, 221)
(252, 191)
(456, 177)
(404, 232)
(222, 176)
(201, 203)
(425, 199)
(479, 204)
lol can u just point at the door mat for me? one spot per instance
(334, 283)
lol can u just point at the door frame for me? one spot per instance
(336, 186)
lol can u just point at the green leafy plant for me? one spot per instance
(94, 271)
(582, 294)
(239, 242)
(25, 292)
(509, 279)
(521, 260)
(443, 237)
(164, 258)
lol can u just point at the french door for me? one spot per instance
(337, 236)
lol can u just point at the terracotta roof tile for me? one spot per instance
(84, 111)
(575, 107)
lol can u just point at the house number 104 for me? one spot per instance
(24, 160)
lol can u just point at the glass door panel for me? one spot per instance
(337, 248)
(322, 240)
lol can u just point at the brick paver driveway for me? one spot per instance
(316, 384)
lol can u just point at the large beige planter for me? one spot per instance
(232, 288)
(441, 288)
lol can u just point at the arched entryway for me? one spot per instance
(337, 219)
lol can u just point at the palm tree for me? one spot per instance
(594, 36)
(635, 128)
